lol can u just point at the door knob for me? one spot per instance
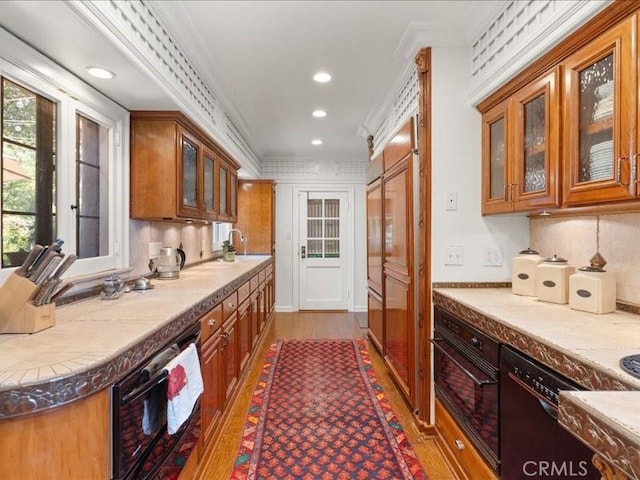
(303, 252)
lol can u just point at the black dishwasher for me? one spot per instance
(532, 443)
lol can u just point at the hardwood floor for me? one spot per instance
(219, 463)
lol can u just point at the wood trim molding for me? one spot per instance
(603, 21)
(423, 277)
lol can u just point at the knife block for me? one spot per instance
(17, 313)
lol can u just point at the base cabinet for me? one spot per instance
(375, 329)
(212, 399)
(464, 460)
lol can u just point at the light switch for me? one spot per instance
(454, 255)
(452, 201)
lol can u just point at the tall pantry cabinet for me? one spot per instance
(390, 257)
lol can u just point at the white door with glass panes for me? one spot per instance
(322, 253)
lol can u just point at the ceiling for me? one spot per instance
(259, 58)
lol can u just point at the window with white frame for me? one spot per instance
(220, 234)
(62, 174)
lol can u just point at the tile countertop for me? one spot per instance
(582, 346)
(94, 332)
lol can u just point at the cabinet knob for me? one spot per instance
(459, 444)
(212, 322)
(231, 305)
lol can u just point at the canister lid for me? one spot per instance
(597, 263)
(555, 259)
(529, 251)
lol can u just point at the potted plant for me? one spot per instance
(228, 251)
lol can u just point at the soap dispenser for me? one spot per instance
(552, 280)
(592, 288)
(523, 272)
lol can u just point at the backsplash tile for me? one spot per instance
(574, 238)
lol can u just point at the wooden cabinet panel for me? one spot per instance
(398, 215)
(244, 334)
(600, 108)
(231, 355)
(375, 235)
(399, 334)
(212, 379)
(375, 320)
(211, 322)
(495, 167)
(229, 305)
(255, 317)
(256, 215)
(400, 145)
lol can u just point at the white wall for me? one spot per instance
(456, 167)
(292, 174)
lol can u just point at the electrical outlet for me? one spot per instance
(452, 201)
(454, 256)
(154, 249)
(491, 257)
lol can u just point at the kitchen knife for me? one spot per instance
(45, 291)
(60, 292)
(48, 270)
(41, 264)
(33, 254)
(64, 266)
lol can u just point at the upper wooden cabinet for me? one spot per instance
(521, 149)
(568, 137)
(256, 215)
(177, 172)
(599, 118)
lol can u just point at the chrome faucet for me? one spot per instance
(243, 239)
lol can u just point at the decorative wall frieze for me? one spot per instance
(37, 397)
(137, 30)
(615, 448)
(347, 170)
(580, 372)
(520, 34)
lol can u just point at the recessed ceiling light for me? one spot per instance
(319, 113)
(316, 142)
(100, 73)
(322, 77)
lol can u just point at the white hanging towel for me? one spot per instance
(184, 386)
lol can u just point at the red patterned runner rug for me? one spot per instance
(318, 412)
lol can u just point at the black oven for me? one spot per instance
(466, 365)
(141, 446)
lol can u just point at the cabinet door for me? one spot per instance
(599, 119)
(398, 332)
(255, 317)
(209, 184)
(374, 235)
(495, 161)
(536, 152)
(233, 196)
(189, 166)
(223, 181)
(398, 216)
(230, 359)
(375, 322)
(244, 333)
(212, 399)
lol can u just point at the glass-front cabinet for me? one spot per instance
(209, 181)
(521, 149)
(189, 164)
(600, 104)
(495, 165)
(223, 174)
(233, 196)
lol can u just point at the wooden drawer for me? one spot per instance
(254, 282)
(269, 270)
(243, 292)
(261, 276)
(210, 322)
(455, 445)
(230, 304)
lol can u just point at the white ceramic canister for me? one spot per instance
(523, 272)
(552, 280)
(592, 289)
